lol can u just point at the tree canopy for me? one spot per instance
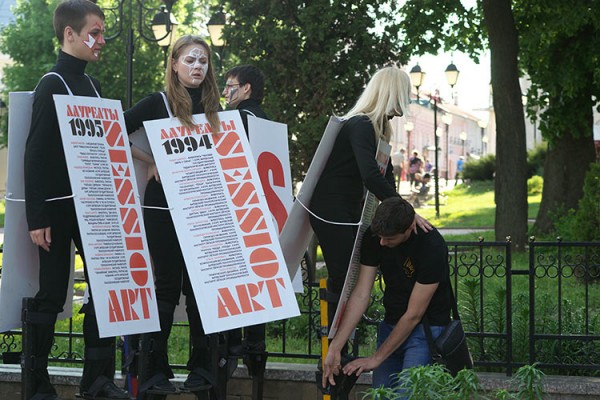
(31, 44)
(317, 57)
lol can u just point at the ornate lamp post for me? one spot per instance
(417, 76)
(163, 27)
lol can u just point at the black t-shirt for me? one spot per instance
(422, 258)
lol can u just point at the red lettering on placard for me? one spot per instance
(243, 299)
(269, 166)
(129, 304)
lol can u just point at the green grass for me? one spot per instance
(470, 206)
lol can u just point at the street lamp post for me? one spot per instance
(163, 27)
(216, 25)
(447, 119)
(408, 127)
(417, 76)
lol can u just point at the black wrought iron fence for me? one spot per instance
(517, 308)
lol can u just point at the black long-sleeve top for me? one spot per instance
(253, 106)
(150, 108)
(46, 173)
(338, 194)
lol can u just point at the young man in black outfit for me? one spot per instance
(244, 91)
(79, 27)
(416, 273)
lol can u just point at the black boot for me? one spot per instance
(99, 363)
(154, 369)
(38, 336)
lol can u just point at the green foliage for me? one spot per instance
(485, 168)
(433, 382)
(317, 56)
(380, 393)
(535, 160)
(480, 170)
(583, 224)
(535, 184)
(553, 36)
(32, 46)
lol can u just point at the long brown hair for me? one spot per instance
(177, 95)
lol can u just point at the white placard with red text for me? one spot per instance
(228, 239)
(109, 214)
(269, 144)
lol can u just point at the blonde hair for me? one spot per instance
(387, 92)
(178, 96)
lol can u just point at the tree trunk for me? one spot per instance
(568, 159)
(511, 153)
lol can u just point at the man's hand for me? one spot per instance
(361, 365)
(331, 366)
(41, 237)
(153, 172)
(422, 223)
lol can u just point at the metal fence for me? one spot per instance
(541, 306)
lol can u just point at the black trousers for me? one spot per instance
(337, 242)
(55, 268)
(171, 277)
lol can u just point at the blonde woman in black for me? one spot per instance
(190, 89)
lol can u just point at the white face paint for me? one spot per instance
(196, 61)
(90, 43)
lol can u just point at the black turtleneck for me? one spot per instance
(153, 107)
(149, 108)
(46, 174)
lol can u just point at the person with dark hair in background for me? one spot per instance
(244, 91)
(191, 88)
(50, 210)
(417, 285)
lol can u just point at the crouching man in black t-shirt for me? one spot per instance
(416, 274)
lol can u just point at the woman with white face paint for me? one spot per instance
(352, 167)
(191, 89)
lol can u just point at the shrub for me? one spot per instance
(480, 170)
(535, 160)
(484, 168)
(535, 184)
(584, 223)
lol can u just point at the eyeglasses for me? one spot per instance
(230, 85)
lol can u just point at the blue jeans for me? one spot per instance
(413, 352)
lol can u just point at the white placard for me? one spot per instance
(223, 223)
(369, 207)
(297, 232)
(269, 144)
(20, 259)
(109, 214)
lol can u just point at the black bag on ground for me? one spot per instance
(450, 348)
